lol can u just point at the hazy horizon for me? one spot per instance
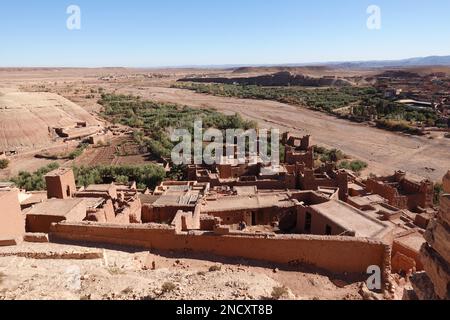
(219, 65)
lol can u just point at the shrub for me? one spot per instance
(358, 165)
(355, 166)
(279, 293)
(215, 268)
(168, 287)
(333, 155)
(4, 163)
(145, 176)
(34, 181)
(78, 151)
(396, 125)
(115, 270)
(438, 191)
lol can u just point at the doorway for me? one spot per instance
(308, 222)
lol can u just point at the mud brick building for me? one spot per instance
(403, 192)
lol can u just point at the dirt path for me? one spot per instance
(384, 151)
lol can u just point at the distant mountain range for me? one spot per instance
(412, 62)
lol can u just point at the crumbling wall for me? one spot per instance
(185, 221)
(405, 258)
(159, 214)
(310, 181)
(291, 156)
(403, 193)
(104, 214)
(135, 210)
(419, 195)
(387, 192)
(343, 254)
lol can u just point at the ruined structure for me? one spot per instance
(324, 179)
(403, 192)
(171, 197)
(235, 175)
(107, 203)
(298, 150)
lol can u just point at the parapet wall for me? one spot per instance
(333, 254)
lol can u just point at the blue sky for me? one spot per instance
(138, 33)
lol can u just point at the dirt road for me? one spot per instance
(384, 151)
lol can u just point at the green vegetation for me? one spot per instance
(115, 270)
(4, 163)
(149, 175)
(215, 268)
(279, 293)
(78, 151)
(355, 166)
(168, 287)
(326, 155)
(154, 121)
(34, 181)
(364, 103)
(438, 191)
(323, 99)
(398, 125)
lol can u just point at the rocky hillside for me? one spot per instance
(26, 118)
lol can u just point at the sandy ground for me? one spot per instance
(384, 151)
(129, 275)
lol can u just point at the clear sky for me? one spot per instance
(150, 33)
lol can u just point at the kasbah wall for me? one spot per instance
(339, 255)
(12, 224)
